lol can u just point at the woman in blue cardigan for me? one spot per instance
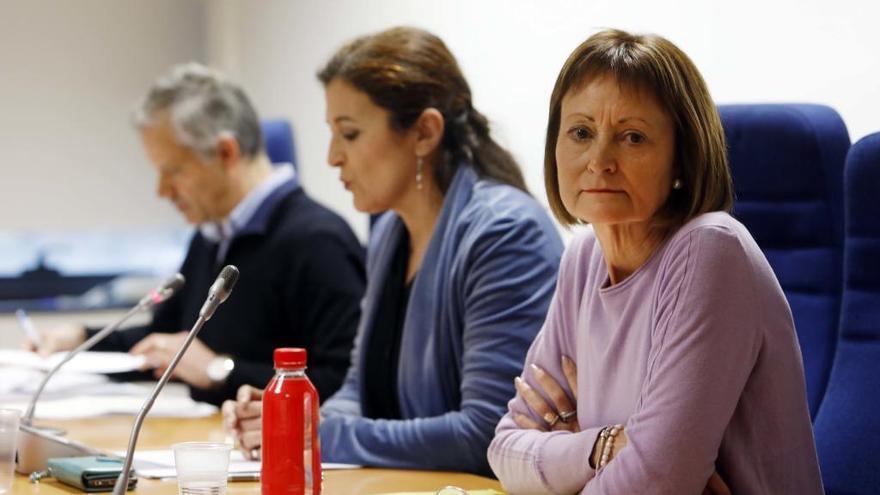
(460, 270)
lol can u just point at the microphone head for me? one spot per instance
(174, 283)
(227, 279)
(161, 293)
(219, 291)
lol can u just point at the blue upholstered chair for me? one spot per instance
(278, 136)
(848, 424)
(787, 164)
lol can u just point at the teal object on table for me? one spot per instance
(89, 473)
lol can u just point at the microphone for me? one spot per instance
(36, 446)
(154, 297)
(219, 291)
(161, 294)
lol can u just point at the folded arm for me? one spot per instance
(704, 346)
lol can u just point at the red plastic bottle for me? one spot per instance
(291, 453)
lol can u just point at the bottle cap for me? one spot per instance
(290, 357)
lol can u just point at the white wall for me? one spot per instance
(511, 51)
(70, 73)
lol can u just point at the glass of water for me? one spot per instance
(8, 431)
(202, 467)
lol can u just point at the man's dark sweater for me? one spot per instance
(302, 279)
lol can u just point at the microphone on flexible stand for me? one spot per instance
(36, 446)
(156, 296)
(218, 293)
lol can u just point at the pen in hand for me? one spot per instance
(30, 331)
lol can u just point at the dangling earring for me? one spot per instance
(677, 184)
(419, 165)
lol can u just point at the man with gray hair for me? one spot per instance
(302, 273)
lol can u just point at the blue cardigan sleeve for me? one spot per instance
(505, 285)
(346, 401)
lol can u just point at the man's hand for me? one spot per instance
(159, 348)
(61, 338)
(243, 419)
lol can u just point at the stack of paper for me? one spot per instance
(160, 464)
(89, 406)
(86, 362)
(81, 390)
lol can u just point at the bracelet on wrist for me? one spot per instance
(598, 445)
(608, 445)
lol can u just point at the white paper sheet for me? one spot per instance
(86, 362)
(157, 464)
(22, 383)
(89, 406)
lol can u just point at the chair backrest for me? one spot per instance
(278, 136)
(847, 427)
(787, 165)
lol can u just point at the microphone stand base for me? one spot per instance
(36, 446)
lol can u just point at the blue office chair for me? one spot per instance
(787, 164)
(847, 427)
(278, 136)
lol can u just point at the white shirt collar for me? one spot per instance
(245, 209)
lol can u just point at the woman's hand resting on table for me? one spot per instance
(243, 419)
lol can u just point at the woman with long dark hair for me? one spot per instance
(461, 267)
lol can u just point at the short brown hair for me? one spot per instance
(650, 62)
(407, 70)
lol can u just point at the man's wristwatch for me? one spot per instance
(219, 368)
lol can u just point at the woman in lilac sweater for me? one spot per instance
(668, 362)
